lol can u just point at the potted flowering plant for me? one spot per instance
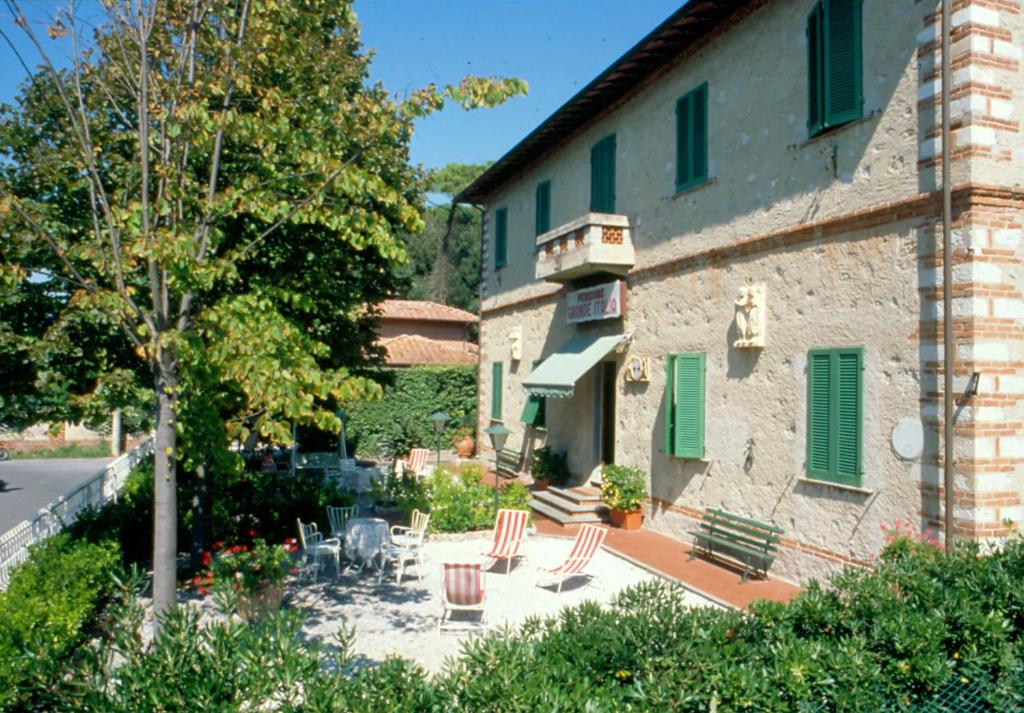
(251, 579)
(624, 490)
(549, 467)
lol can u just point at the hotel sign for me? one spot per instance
(594, 303)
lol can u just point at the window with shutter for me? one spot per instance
(543, 218)
(684, 406)
(500, 237)
(497, 372)
(533, 412)
(692, 138)
(602, 175)
(835, 84)
(835, 414)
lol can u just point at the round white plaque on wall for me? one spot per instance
(908, 438)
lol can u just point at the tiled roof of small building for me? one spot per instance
(423, 310)
(410, 349)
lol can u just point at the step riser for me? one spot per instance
(564, 518)
(568, 506)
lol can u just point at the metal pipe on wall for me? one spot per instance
(948, 354)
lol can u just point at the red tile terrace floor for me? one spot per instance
(671, 558)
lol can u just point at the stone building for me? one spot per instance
(721, 262)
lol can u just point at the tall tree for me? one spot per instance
(190, 134)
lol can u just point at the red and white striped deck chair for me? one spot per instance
(462, 589)
(588, 540)
(416, 463)
(509, 529)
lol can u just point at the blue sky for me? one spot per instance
(557, 46)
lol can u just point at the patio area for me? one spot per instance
(401, 619)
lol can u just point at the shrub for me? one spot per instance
(46, 614)
(623, 488)
(461, 502)
(400, 416)
(550, 465)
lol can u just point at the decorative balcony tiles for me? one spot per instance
(595, 243)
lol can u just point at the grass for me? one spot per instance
(68, 450)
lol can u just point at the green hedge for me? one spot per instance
(47, 612)
(410, 396)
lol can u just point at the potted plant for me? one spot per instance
(624, 490)
(250, 579)
(463, 442)
(549, 467)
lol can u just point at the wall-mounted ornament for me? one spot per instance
(515, 344)
(750, 311)
(638, 369)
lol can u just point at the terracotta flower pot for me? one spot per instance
(540, 484)
(252, 607)
(626, 519)
(464, 448)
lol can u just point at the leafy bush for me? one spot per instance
(461, 502)
(623, 488)
(550, 465)
(400, 417)
(46, 614)
(407, 492)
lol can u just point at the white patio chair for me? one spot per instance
(339, 517)
(406, 545)
(462, 589)
(315, 548)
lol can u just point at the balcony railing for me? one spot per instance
(592, 244)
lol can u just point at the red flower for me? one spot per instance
(218, 544)
(202, 591)
(252, 532)
(295, 570)
(207, 559)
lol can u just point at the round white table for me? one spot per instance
(364, 539)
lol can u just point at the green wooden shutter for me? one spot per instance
(835, 414)
(531, 410)
(683, 142)
(842, 52)
(689, 416)
(500, 237)
(543, 216)
(819, 414)
(699, 109)
(497, 372)
(670, 404)
(602, 175)
(815, 88)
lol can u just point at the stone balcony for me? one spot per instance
(592, 244)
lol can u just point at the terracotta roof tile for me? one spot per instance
(412, 349)
(423, 310)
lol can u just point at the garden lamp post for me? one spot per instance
(439, 419)
(498, 435)
(342, 446)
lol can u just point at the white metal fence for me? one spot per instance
(97, 490)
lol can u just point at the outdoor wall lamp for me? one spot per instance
(439, 419)
(498, 435)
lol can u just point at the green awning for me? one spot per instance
(557, 375)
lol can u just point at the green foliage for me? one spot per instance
(400, 416)
(622, 487)
(407, 492)
(550, 465)
(65, 450)
(461, 502)
(47, 613)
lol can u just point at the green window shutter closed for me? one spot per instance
(497, 372)
(835, 415)
(692, 138)
(531, 411)
(500, 237)
(543, 219)
(602, 175)
(689, 416)
(834, 59)
(842, 61)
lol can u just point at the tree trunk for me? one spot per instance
(165, 501)
(202, 514)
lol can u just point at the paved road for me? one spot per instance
(27, 485)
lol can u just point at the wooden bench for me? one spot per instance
(741, 539)
(509, 460)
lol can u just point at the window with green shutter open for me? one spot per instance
(497, 373)
(602, 175)
(535, 410)
(692, 138)
(835, 414)
(543, 218)
(684, 405)
(835, 85)
(500, 237)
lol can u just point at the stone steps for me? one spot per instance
(568, 506)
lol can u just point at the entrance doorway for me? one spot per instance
(608, 374)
